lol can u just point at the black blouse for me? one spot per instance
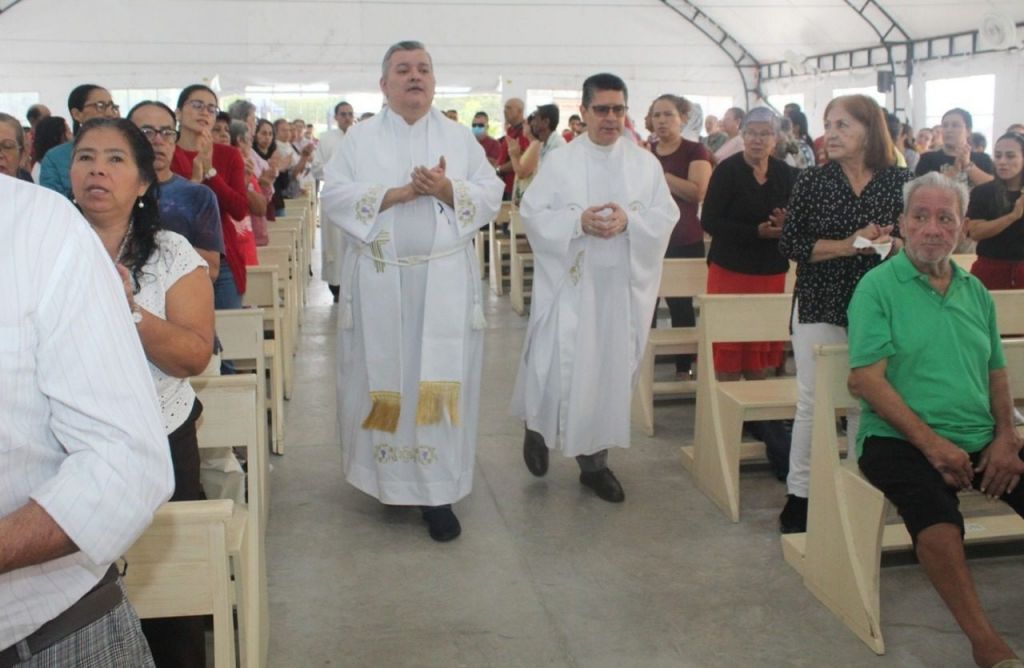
(1008, 244)
(934, 161)
(824, 206)
(735, 205)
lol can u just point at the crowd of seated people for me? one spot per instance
(189, 197)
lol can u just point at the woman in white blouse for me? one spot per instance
(168, 290)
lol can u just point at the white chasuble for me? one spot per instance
(411, 324)
(331, 238)
(592, 298)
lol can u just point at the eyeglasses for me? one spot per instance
(618, 110)
(199, 105)
(167, 134)
(479, 125)
(102, 107)
(10, 146)
(761, 136)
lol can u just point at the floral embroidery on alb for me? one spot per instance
(366, 207)
(465, 207)
(422, 455)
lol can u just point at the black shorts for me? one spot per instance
(916, 488)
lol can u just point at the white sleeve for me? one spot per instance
(104, 410)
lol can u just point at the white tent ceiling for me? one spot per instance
(51, 45)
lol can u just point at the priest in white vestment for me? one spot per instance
(331, 236)
(598, 216)
(409, 189)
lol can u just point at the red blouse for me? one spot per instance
(229, 187)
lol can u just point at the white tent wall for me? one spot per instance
(49, 46)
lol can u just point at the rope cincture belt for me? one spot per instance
(410, 260)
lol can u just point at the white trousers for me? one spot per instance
(805, 338)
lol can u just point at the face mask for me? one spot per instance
(479, 132)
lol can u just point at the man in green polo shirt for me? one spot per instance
(937, 416)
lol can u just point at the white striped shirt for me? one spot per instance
(80, 428)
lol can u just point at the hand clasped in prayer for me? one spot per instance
(604, 221)
(429, 181)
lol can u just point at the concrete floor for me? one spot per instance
(546, 574)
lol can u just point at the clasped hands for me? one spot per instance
(427, 182)
(772, 228)
(203, 161)
(604, 221)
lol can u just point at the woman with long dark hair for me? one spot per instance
(170, 296)
(996, 218)
(219, 167)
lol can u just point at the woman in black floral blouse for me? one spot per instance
(858, 194)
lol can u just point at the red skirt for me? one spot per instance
(750, 356)
(999, 274)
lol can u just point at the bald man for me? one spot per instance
(513, 132)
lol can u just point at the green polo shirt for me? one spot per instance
(940, 349)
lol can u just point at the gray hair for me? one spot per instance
(407, 45)
(936, 180)
(19, 132)
(240, 109)
(761, 115)
(237, 130)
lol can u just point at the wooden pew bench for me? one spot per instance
(839, 557)
(520, 264)
(179, 568)
(722, 407)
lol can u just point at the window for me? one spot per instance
(567, 101)
(16, 104)
(129, 97)
(780, 101)
(870, 91)
(976, 94)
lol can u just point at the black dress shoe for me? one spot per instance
(442, 523)
(605, 485)
(535, 453)
(793, 518)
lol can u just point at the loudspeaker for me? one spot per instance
(886, 80)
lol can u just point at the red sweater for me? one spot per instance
(229, 187)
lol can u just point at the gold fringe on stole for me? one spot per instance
(435, 396)
(384, 412)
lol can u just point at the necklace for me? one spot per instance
(124, 243)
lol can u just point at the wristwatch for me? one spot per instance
(210, 173)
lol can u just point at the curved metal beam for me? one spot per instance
(890, 34)
(7, 4)
(884, 25)
(748, 67)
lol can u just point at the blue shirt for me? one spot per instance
(191, 210)
(55, 169)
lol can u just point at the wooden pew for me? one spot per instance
(230, 419)
(179, 568)
(679, 278)
(241, 335)
(520, 259)
(839, 557)
(499, 248)
(723, 407)
(263, 291)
